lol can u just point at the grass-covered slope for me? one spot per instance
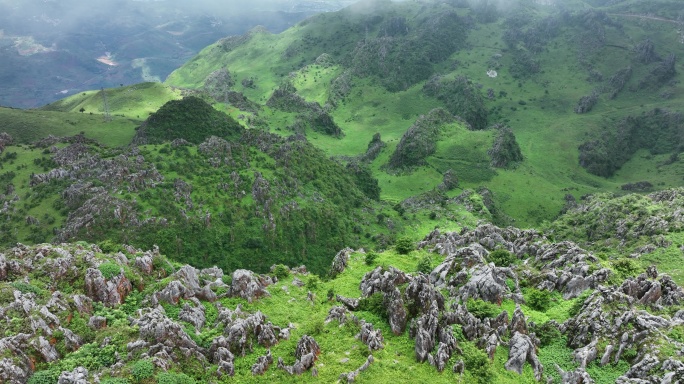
(561, 79)
(484, 305)
(27, 126)
(245, 203)
(133, 101)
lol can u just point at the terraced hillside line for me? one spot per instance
(645, 17)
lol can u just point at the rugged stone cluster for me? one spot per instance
(160, 339)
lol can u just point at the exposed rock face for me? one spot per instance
(339, 314)
(110, 292)
(428, 331)
(340, 262)
(97, 322)
(194, 315)
(488, 282)
(306, 354)
(370, 336)
(248, 285)
(351, 304)
(78, 376)
(262, 364)
(649, 290)
(386, 282)
(566, 268)
(161, 338)
(522, 349)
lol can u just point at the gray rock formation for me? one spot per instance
(262, 364)
(78, 376)
(306, 353)
(194, 314)
(350, 304)
(248, 285)
(339, 314)
(340, 262)
(523, 349)
(370, 336)
(110, 292)
(578, 376)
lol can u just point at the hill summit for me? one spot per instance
(191, 119)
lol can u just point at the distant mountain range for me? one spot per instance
(51, 49)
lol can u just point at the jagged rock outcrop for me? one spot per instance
(349, 303)
(110, 292)
(193, 314)
(578, 376)
(306, 353)
(78, 376)
(488, 282)
(429, 330)
(339, 314)
(523, 349)
(370, 336)
(262, 364)
(340, 262)
(386, 282)
(248, 285)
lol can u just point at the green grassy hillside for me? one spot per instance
(133, 101)
(547, 65)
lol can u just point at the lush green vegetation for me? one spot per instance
(190, 119)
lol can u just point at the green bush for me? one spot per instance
(281, 271)
(404, 245)
(370, 258)
(547, 333)
(538, 299)
(626, 268)
(26, 288)
(374, 304)
(174, 378)
(108, 246)
(579, 303)
(502, 258)
(482, 309)
(109, 269)
(477, 363)
(312, 282)
(44, 377)
(142, 369)
(424, 265)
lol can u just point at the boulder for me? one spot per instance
(97, 322)
(578, 376)
(194, 314)
(110, 292)
(262, 364)
(78, 376)
(523, 349)
(370, 336)
(337, 313)
(340, 262)
(249, 286)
